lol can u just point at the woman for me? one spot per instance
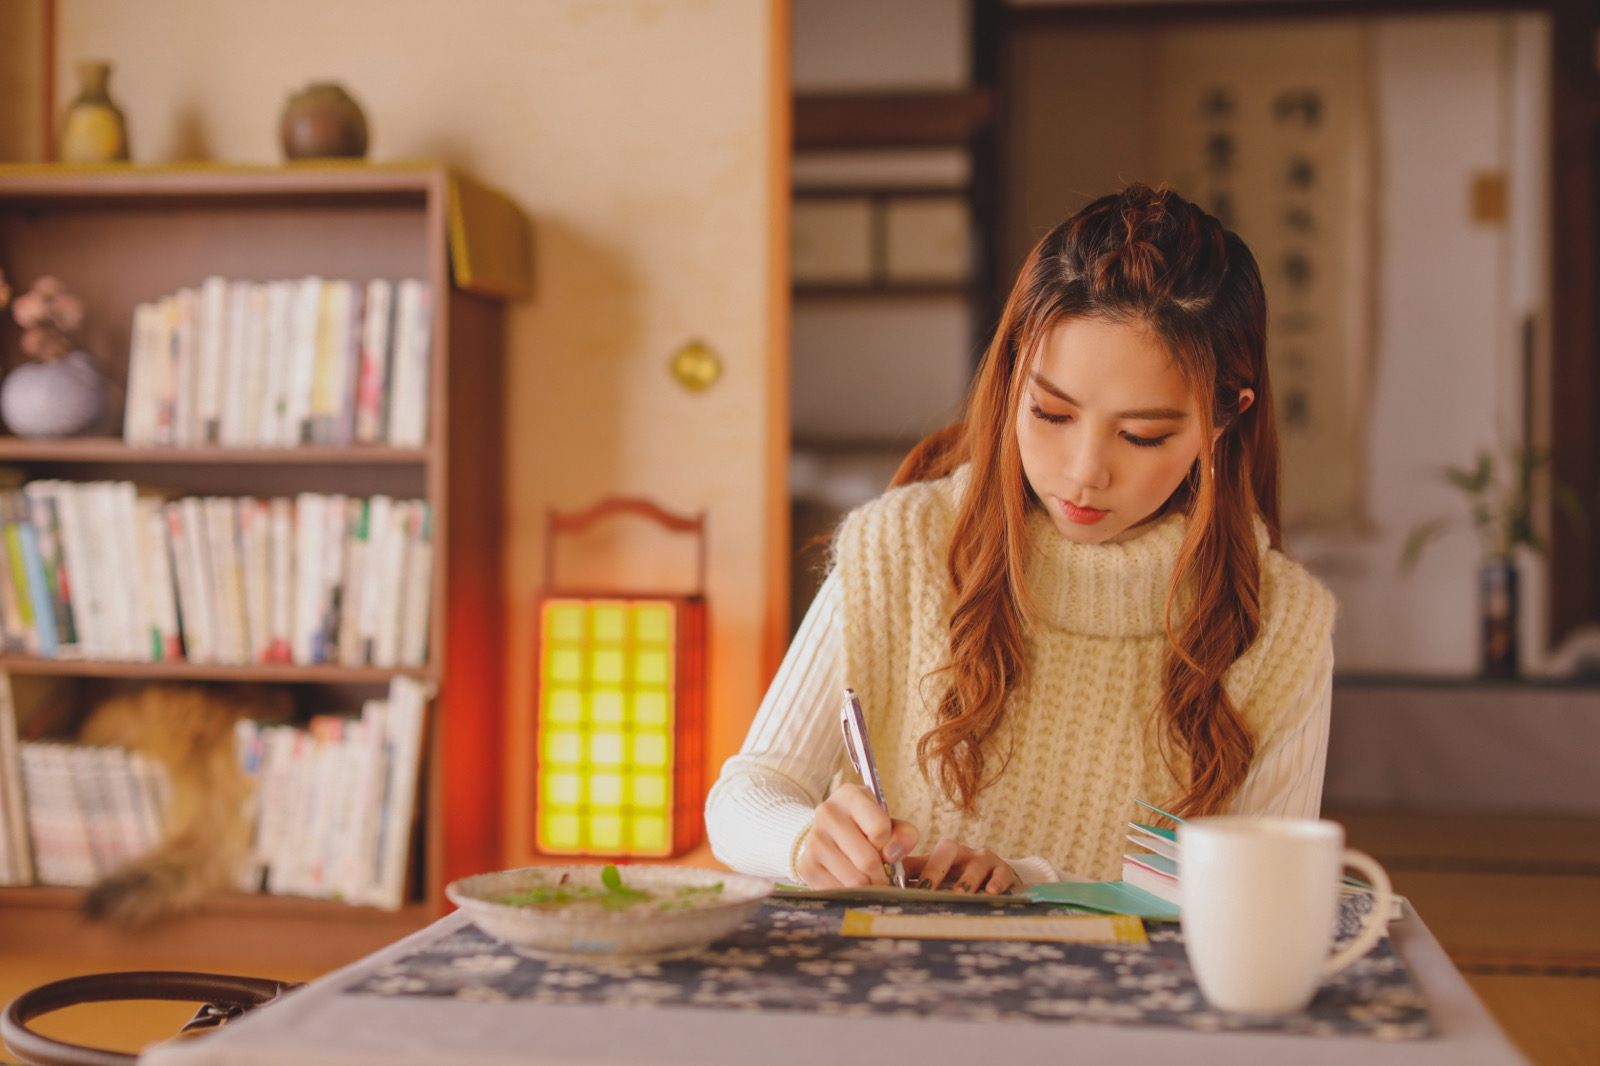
(1071, 600)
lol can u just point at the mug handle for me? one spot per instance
(1377, 922)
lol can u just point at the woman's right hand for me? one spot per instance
(850, 840)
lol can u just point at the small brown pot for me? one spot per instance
(322, 121)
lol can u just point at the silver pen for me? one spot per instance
(854, 725)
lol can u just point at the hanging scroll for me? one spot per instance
(1268, 127)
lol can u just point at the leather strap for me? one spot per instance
(224, 997)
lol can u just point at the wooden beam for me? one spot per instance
(890, 120)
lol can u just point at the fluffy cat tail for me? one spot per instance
(168, 881)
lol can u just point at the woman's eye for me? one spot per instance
(1045, 416)
(1145, 442)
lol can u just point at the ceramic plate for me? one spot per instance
(666, 924)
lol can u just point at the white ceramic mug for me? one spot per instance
(1260, 902)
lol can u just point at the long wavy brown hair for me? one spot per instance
(1140, 256)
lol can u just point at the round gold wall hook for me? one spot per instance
(696, 366)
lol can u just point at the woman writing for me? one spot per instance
(1069, 600)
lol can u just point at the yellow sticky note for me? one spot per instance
(1071, 929)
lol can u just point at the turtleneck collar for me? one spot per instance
(1116, 589)
(1104, 590)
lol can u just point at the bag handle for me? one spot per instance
(223, 997)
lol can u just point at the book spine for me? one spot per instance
(21, 599)
(15, 826)
(194, 561)
(46, 520)
(185, 408)
(309, 519)
(138, 412)
(164, 372)
(105, 543)
(418, 586)
(330, 598)
(257, 351)
(377, 575)
(274, 415)
(44, 613)
(351, 650)
(84, 589)
(413, 344)
(392, 571)
(255, 567)
(226, 578)
(211, 334)
(161, 589)
(283, 580)
(302, 359)
(373, 381)
(122, 502)
(349, 362)
(407, 708)
(328, 373)
(234, 364)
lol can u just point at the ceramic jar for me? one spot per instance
(93, 129)
(54, 399)
(322, 121)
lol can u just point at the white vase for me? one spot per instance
(55, 399)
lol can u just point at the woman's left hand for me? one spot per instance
(972, 869)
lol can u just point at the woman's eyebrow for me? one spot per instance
(1146, 414)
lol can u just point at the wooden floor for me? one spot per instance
(1516, 903)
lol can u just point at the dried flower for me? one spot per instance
(48, 314)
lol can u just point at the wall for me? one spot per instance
(1453, 95)
(647, 140)
(1451, 298)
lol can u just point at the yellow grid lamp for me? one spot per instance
(620, 709)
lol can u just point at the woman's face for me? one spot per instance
(1107, 427)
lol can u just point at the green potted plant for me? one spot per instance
(1501, 490)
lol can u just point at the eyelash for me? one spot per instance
(1055, 420)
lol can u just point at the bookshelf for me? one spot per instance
(121, 235)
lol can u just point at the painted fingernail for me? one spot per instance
(924, 883)
(963, 887)
(895, 851)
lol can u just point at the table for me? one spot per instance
(322, 1025)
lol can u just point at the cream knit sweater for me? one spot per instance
(1082, 740)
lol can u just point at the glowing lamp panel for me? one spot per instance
(606, 715)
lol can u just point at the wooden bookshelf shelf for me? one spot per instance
(320, 673)
(111, 450)
(124, 235)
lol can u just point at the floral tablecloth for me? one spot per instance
(791, 957)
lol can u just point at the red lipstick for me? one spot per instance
(1084, 516)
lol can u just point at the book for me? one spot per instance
(236, 366)
(309, 525)
(373, 381)
(408, 699)
(418, 584)
(282, 580)
(413, 344)
(155, 568)
(13, 804)
(45, 514)
(304, 315)
(273, 415)
(211, 334)
(185, 373)
(186, 532)
(352, 652)
(331, 353)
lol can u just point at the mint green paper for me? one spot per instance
(1110, 897)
